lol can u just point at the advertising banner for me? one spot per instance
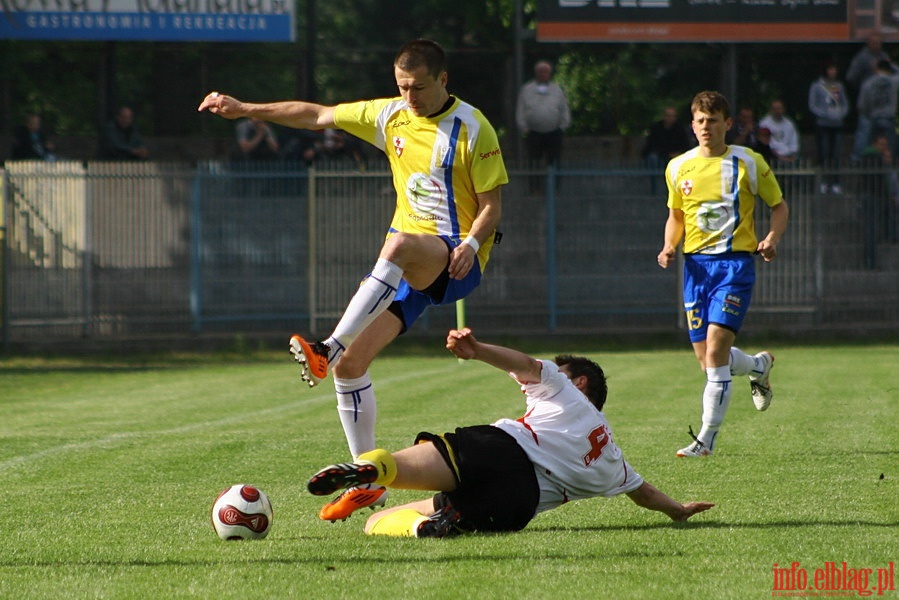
(149, 20)
(713, 20)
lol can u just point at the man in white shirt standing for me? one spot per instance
(784, 134)
(542, 114)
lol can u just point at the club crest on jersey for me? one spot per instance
(729, 183)
(440, 157)
(686, 187)
(398, 145)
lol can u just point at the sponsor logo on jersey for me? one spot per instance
(424, 193)
(712, 217)
(494, 152)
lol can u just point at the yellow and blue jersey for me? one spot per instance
(717, 196)
(439, 163)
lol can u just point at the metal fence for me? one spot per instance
(105, 250)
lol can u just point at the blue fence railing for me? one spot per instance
(113, 249)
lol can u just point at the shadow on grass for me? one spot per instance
(331, 563)
(715, 525)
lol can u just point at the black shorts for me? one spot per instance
(496, 488)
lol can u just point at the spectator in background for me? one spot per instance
(878, 192)
(542, 114)
(744, 130)
(256, 140)
(667, 138)
(324, 145)
(338, 144)
(864, 63)
(877, 108)
(828, 102)
(302, 145)
(121, 139)
(30, 142)
(889, 18)
(762, 144)
(784, 134)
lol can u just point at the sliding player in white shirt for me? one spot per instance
(498, 477)
(447, 172)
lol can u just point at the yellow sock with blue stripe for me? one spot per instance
(384, 461)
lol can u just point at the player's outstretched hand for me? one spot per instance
(222, 105)
(462, 343)
(693, 508)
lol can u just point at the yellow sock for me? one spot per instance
(399, 523)
(384, 461)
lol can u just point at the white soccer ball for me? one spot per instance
(242, 512)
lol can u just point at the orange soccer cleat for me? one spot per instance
(369, 495)
(313, 358)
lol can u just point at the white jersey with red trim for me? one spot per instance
(570, 443)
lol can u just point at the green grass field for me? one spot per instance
(109, 469)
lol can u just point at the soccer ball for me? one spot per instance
(242, 512)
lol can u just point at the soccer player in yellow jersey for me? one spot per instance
(447, 171)
(712, 191)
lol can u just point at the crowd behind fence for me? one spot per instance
(106, 250)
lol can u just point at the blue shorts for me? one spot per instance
(409, 303)
(717, 289)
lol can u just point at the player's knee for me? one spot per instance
(397, 245)
(349, 366)
(407, 249)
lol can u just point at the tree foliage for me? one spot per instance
(613, 88)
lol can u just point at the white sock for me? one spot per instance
(370, 300)
(758, 366)
(358, 411)
(715, 400)
(740, 362)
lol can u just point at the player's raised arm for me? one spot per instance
(464, 345)
(291, 113)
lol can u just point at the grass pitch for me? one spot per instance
(109, 470)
